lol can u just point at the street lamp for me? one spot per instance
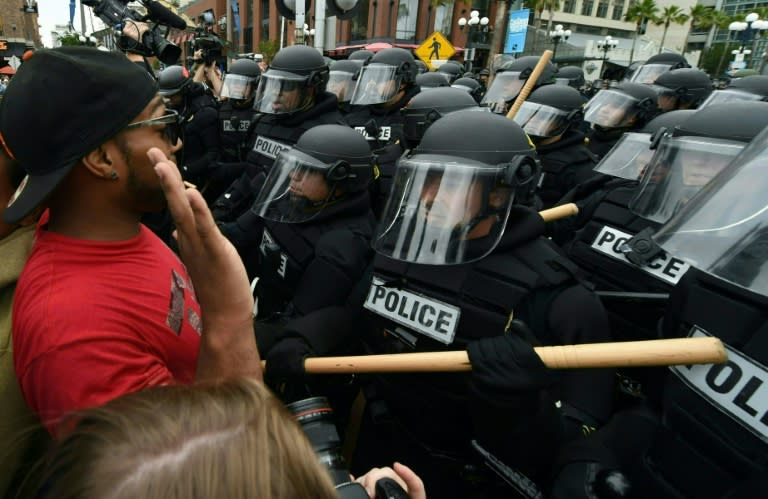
(558, 35)
(606, 45)
(308, 33)
(478, 30)
(747, 31)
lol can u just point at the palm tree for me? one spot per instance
(539, 6)
(701, 17)
(552, 6)
(645, 10)
(671, 14)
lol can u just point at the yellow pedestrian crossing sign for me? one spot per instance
(435, 50)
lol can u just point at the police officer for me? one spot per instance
(235, 113)
(342, 80)
(312, 246)
(431, 79)
(552, 116)
(749, 88)
(452, 70)
(705, 437)
(509, 80)
(656, 65)
(684, 88)
(291, 98)
(199, 117)
(573, 76)
(385, 85)
(360, 55)
(427, 107)
(458, 262)
(620, 108)
(470, 85)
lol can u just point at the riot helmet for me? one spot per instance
(430, 80)
(239, 82)
(684, 88)
(360, 55)
(621, 106)
(451, 196)
(657, 65)
(749, 88)
(342, 79)
(511, 77)
(693, 153)
(384, 76)
(298, 73)
(633, 151)
(549, 111)
(173, 80)
(427, 107)
(573, 76)
(421, 66)
(327, 164)
(723, 231)
(469, 85)
(452, 70)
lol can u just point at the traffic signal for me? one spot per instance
(342, 9)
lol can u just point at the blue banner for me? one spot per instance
(236, 15)
(516, 30)
(72, 14)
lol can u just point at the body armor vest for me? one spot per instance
(716, 415)
(234, 124)
(564, 164)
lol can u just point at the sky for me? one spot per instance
(53, 12)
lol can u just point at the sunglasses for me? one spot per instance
(172, 122)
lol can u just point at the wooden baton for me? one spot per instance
(558, 212)
(676, 351)
(530, 83)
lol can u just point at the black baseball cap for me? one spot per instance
(61, 104)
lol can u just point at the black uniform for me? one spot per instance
(564, 164)
(199, 118)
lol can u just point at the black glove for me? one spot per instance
(386, 488)
(506, 364)
(285, 360)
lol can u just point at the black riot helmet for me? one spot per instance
(452, 69)
(550, 110)
(511, 77)
(749, 88)
(622, 106)
(469, 85)
(326, 165)
(656, 65)
(452, 195)
(631, 154)
(427, 107)
(684, 88)
(298, 73)
(384, 75)
(429, 80)
(240, 82)
(572, 76)
(173, 80)
(360, 55)
(693, 153)
(421, 66)
(342, 79)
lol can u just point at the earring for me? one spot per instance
(114, 175)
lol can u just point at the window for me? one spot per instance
(586, 7)
(443, 17)
(358, 25)
(407, 14)
(264, 20)
(247, 40)
(618, 10)
(602, 9)
(569, 6)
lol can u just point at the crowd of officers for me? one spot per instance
(383, 208)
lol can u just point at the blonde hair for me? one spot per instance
(232, 439)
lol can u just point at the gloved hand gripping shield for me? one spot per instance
(376, 84)
(446, 210)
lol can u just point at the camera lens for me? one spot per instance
(316, 419)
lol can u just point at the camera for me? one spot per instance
(116, 13)
(210, 44)
(315, 416)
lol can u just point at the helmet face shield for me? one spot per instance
(504, 88)
(540, 120)
(377, 84)
(649, 72)
(280, 92)
(729, 95)
(443, 210)
(296, 189)
(724, 230)
(679, 169)
(341, 84)
(237, 87)
(611, 109)
(628, 157)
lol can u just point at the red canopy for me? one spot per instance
(7, 70)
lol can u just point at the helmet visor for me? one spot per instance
(729, 95)
(504, 88)
(627, 157)
(280, 92)
(724, 230)
(296, 189)
(377, 84)
(649, 72)
(341, 84)
(443, 210)
(681, 167)
(540, 120)
(611, 109)
(237, 87)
